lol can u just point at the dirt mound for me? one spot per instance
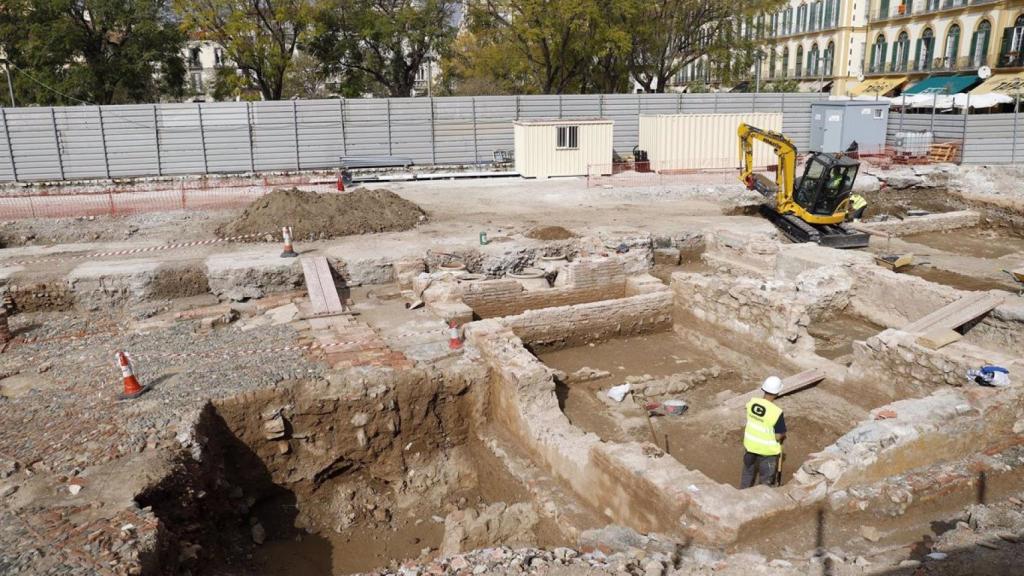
(550, 233)
(315, 216)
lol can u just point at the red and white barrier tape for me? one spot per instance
(176, 246)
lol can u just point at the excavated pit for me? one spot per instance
(834, 337)
(315, 480)
(989, 242)
(666, 366)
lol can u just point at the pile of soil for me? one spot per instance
(315, 216)
(550, 233)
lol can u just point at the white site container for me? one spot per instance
(540, 154)
(692, 141)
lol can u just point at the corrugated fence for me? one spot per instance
(983, 138)
(85, 142)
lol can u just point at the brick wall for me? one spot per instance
(590, 280)
(565, 326)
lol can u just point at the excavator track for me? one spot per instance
(831, 235)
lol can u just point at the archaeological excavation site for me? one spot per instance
(509, 376)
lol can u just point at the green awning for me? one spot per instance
(944, 84)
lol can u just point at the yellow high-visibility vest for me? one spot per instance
(759, 436)
(857, 201)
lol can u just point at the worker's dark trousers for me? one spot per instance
(761, 466)
(859, 213)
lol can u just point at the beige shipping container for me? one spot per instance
(694, 141)
(545, 148)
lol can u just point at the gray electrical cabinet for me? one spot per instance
(835, 124)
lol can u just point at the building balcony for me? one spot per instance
(919, 7)
(1014, 59)
(964, 64)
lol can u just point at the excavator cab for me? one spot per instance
(826, 184)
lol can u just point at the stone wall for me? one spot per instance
(887, 464)
(928, 223)
(895, 300)
(580, 324)
(760, 313)
(1001, 330)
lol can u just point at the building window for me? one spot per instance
(979, 44)
(878, 50)
(812, 61)
(789, 20)
(830, 56)
(197, 82)
(932, 5)
(785, 62)
(901, 53)
(1012, 50)
(952, 48)
(925, 50)
(567, 137)
(799, 61)
(771, 63)
(193, 57)
(218, 57)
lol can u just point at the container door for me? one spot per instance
(818, 114)
(831, 141)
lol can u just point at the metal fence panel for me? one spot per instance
(410, 129)
(274, 136)
(454, 132)
(82, 149)
(181, 139)
(226, 137)
(178, 139)
(131, 140)
(321, 140)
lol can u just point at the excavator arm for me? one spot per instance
(781, 191)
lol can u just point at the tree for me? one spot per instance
(669, 34)
(96, 51)
(259, 37)
(384, 41)
(306, 78)
(563, 45)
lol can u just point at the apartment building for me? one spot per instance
(819, 43)
(202, 60)
(944, 42)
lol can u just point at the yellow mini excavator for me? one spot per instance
(811, 208)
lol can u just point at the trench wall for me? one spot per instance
(580, 324)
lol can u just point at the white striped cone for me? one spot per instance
(288, 252)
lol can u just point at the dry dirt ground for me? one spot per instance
(58, 418)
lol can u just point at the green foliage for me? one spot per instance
(97, 51)
(258, 36)
(547, 46)
(782, 86)
(381, 45)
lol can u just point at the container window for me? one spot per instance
(879, 113)
(567, 137)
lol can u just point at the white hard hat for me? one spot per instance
(772, 385)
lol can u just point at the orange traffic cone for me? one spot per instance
(132, 388)
(454, 340)
(288, 251)
(341, 182)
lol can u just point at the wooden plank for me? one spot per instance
(313, 288)
(956, 314)
(790, 385)
(938, 338)
(330, 290)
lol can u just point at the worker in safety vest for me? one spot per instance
(857, 205)
(762, 439)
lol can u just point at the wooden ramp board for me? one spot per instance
(790, 385)
(323, 294)
(956, 314)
